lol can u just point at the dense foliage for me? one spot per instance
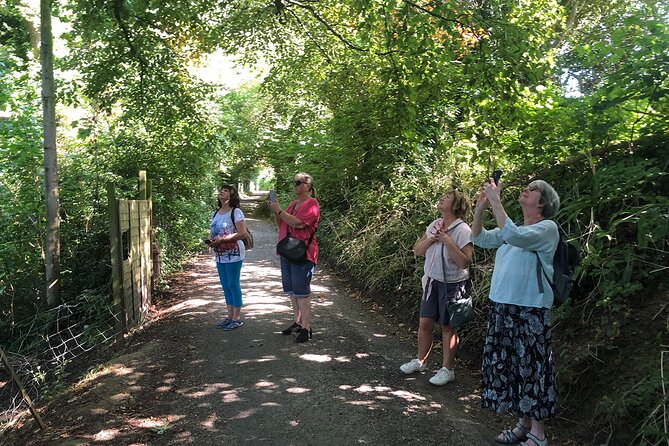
(386, 104)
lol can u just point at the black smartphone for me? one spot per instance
(496, 175)
(272, 195)
(207, 242)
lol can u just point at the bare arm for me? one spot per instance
(489, 196)
(420, 248)
(281, 215)
(291, 220)
(491, 191)
(461, 257)
(481, 205)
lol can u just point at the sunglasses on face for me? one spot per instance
(298, 182)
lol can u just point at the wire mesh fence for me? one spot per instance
(52, 340)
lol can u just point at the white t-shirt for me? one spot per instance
(221, 224)
(459, 232)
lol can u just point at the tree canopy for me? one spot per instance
(386, 104)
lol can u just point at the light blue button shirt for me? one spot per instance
(514, 278)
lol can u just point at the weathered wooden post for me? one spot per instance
(142, 185)
(116, 261)
(155, 249)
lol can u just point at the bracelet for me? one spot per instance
(279, 213)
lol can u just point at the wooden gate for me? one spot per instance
(130, 242)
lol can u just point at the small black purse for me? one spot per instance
(293, 249)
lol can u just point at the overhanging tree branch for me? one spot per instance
(327, 25)
(118, 9)
(331, 29)
(434, 14)
(312, 38)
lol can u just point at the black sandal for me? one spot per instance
(304, 335)
(292, 329)
(509, 437)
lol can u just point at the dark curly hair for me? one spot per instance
(234, 196)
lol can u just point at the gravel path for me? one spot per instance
(179, 380)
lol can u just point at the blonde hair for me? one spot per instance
(309, 180)
(461, 204)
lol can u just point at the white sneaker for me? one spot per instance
(443, 376)
(413, 366)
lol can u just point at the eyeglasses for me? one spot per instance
(298, 182)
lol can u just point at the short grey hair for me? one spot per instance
(549, 198)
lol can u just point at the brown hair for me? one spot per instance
(234, 196)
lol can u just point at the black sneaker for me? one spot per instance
(292, 329)
(304, 335)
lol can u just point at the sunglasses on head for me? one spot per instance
(298, 182)
(532, 189)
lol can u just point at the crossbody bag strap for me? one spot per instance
(232, 217)
(540, 269)
(443, 251)
(443, 260)
(311, 237)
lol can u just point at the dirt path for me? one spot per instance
(182, 381)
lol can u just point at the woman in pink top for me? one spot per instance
(300, 219)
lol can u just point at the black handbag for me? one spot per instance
(292, 249)
(461, 307)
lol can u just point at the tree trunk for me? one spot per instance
(52, 246)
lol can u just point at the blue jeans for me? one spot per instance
(229, 274)
(296, 279)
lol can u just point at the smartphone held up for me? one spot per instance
(272, 195)
(496, 176)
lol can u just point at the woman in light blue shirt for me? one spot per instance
(518, 369)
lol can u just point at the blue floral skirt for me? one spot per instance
(518, 366)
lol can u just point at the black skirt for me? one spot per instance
(518, 364)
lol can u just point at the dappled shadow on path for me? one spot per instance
(183, 381)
